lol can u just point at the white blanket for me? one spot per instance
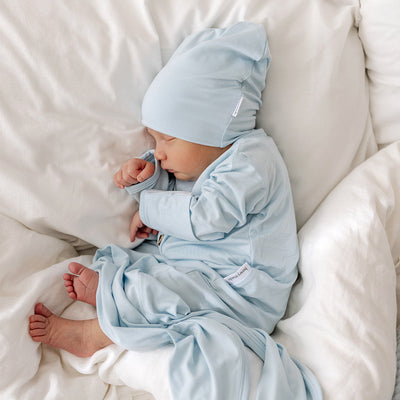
(72, 76)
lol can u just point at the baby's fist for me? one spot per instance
(133, 171)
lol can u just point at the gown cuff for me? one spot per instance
(167, 212)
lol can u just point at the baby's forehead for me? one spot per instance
(157, 134)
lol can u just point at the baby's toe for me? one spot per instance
(37, 325)
(68, 277)
(41, 309)
(36, 318)
(76, 268)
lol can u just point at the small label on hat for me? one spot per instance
(236, 110)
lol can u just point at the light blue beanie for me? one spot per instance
(210, 89)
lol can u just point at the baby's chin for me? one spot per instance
(184, 177)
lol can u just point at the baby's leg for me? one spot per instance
(82, 338)
(82, 283)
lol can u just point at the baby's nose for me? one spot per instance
(159, 154)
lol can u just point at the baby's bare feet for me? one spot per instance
(84, 286)
(82, 338)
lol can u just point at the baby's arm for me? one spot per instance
(135, 176)
(234, 191)
(133, 171)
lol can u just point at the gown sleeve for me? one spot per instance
(231, 191)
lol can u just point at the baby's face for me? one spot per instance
(186, 160)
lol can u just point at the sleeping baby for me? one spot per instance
(220, 249)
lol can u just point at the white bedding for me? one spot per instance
(72, 76)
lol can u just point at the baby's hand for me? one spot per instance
(138, 229)
(133, 171)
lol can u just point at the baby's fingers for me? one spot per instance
(124, 178)
(118, 179)
(146, 172)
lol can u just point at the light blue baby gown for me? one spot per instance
(220, 276)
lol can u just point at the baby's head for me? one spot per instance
(210, 90)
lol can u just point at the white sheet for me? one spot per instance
(72, 77)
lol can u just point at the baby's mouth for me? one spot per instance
(171, 171)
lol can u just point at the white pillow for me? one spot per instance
(341, 318)
(316, 99)
(380, 35)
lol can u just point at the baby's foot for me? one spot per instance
(84, 286)
(82, 338)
